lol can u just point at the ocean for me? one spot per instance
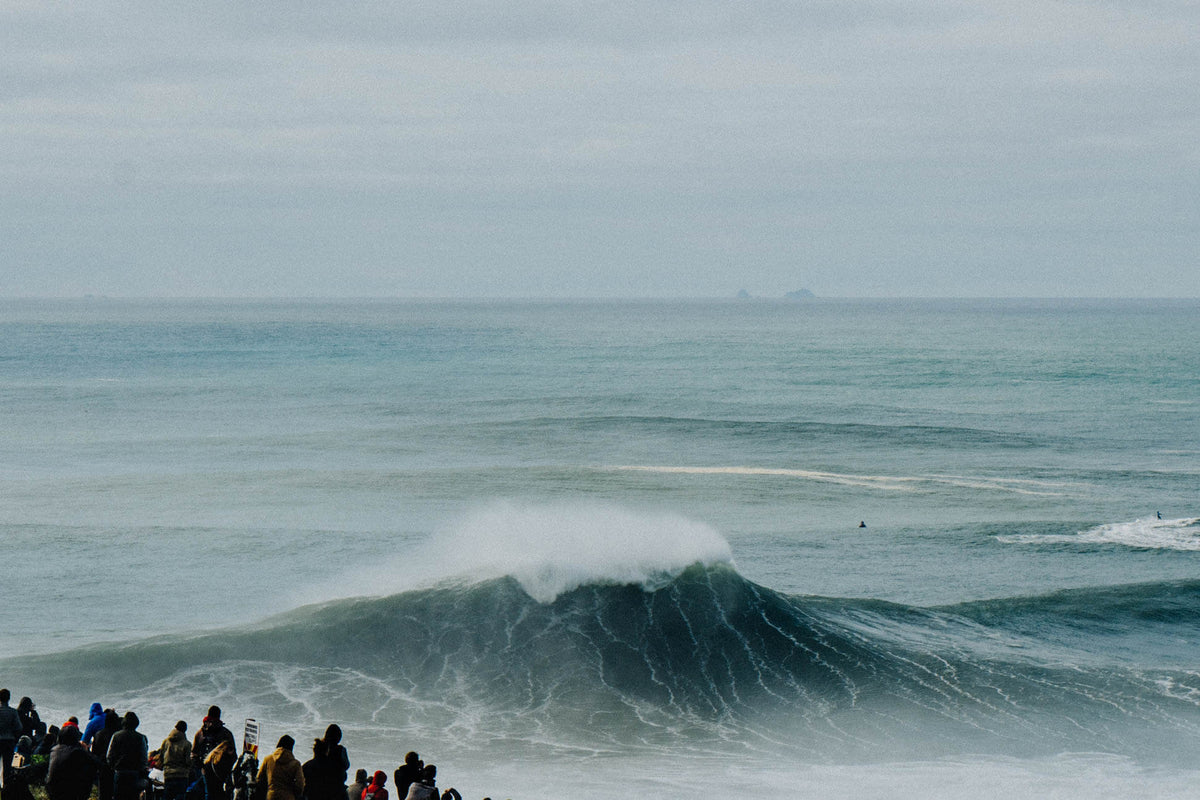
(836, 549)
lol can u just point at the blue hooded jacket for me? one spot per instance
(95, 723)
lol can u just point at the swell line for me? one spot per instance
(892, 483)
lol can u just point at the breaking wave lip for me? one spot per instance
(554, 548)
(1149, 533)
(893, 483)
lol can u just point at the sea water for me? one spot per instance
(589, 549)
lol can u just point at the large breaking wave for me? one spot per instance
(706, 659)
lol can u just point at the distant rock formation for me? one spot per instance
(800, 294)
(743, 294)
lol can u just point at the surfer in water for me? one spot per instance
(862, 524)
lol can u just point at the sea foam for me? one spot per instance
(554, 548)
(1146, 533)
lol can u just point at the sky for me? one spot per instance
(601, 149)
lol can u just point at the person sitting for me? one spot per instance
(48, 742)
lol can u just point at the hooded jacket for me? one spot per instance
(375, 789)
(95, 723)
(281, 775)
(175, 756)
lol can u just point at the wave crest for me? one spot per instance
(551, 549)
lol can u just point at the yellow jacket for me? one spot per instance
(281, 775)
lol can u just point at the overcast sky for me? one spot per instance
(600, 149)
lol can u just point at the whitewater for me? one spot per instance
(582, 549)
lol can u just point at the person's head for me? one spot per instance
(25, 705)
(96, 710)
(286, 743)
(360, 776)
(73, 721)
(333, 734)
(429, 773)
(318, 747)
(5, 695)
(69, 736)
(411, 758)
(181, 726)
(380, 778)
(214, 714)
(130, 721)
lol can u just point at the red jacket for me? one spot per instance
(375, 787)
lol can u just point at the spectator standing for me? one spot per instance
(128, 753)
(175, 757)
(426, 788)
(10, 732)
(407, 774)
(355, 790)
(280, 775)
(213, 733)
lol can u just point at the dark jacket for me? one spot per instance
(31, 724)
(128, 751)
(112, 724)
(10, 724)
(72, 773)
(405, 776)
(325, 772)
(211, 734)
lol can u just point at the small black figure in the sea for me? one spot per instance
(862, 524)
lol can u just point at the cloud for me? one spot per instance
(935, 147)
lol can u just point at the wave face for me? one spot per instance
(705, 660)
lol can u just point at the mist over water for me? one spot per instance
(574, 549)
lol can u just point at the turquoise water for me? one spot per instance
(174, 468)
